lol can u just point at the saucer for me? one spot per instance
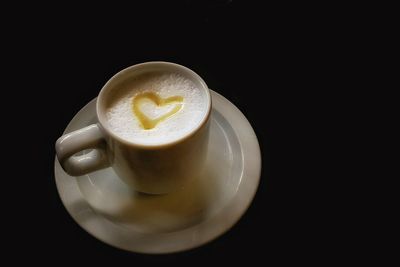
(193, 215)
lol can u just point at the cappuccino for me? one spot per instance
(155, 108)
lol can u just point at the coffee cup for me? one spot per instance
(152, 129)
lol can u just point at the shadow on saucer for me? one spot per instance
(187, 206)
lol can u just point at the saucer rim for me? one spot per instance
(237, 213)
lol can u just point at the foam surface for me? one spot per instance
(124, 123)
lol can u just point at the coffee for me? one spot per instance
(155, 107)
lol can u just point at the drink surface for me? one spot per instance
(155, 107)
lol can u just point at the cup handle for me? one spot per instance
(77, 141)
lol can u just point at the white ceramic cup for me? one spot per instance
(153, 169)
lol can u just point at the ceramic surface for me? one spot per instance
(193, 215)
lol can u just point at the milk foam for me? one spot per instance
(124, 123)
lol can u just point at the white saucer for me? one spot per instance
(102, 205)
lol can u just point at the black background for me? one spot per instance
(270, 61)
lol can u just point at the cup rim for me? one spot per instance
(103, 122)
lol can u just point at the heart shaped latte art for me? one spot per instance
(149, 123)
